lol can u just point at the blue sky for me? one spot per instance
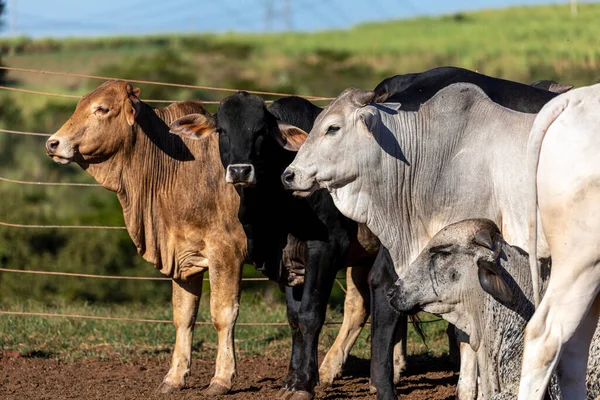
(40, 18)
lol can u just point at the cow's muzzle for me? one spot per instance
(59, 150)
(294, 179)
(242, 175)
(398, 300)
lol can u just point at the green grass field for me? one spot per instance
(70, 338)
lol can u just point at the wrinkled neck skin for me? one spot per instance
(431, 169)
(385, 195)
(157, 177)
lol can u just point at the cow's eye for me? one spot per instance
(332, 130)
(101, 110)
(441, 254)
(453, 275)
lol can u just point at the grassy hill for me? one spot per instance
(524, 44)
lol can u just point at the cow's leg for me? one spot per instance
(356, 313)
(293, 295)
(225, 277)
(400, 339)
(453, 345)
(384, 320)
(186, 297)
(572, 367)
(466, 388)
(318, 281)
(571, 292)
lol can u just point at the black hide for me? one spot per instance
(269, 213)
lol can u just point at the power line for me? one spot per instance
(338, 10)
(311, 6)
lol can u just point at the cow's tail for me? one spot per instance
(542, 123)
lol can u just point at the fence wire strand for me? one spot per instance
(94, 276)
(25, 133)
(60, 226)
(180, 85)
(163, 321)
(2, 179)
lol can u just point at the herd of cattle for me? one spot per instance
(417, 187)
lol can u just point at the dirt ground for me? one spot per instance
(258, 378)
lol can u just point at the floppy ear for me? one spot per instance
(289, 137)
(193, 126)
(559, 87)
(133, 106)
(370, 118)
(492, 282)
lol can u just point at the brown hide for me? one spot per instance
(177, 207)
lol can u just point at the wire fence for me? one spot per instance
(42, 183)
(178, 85)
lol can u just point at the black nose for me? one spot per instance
(52, 145)
(240, 173)
(288, 176)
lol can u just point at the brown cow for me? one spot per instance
(179, 211)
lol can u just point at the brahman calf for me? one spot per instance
(563, 179)
(178, 210)
(471, 277)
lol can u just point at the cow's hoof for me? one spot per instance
(283, 394)
(216, 389)
(325, 385)
(301, 395)
(167, 388)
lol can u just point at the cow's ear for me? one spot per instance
(193, 126)
(491, 281)
(133, 91)
(559, 87)
(133, 104)
(370, 117)
(289, 137)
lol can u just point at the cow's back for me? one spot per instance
(421, 87)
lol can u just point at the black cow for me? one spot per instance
(411, 91)
(425, 84)
(254, 148)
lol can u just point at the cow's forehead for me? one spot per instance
(349, 100)
(109, 89)
(241, 109)
(462, 233)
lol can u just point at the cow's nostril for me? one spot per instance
(245, 170)
(288, 176)
(391, 293)
(52, 145)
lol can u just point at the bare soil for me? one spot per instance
(34, 377)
